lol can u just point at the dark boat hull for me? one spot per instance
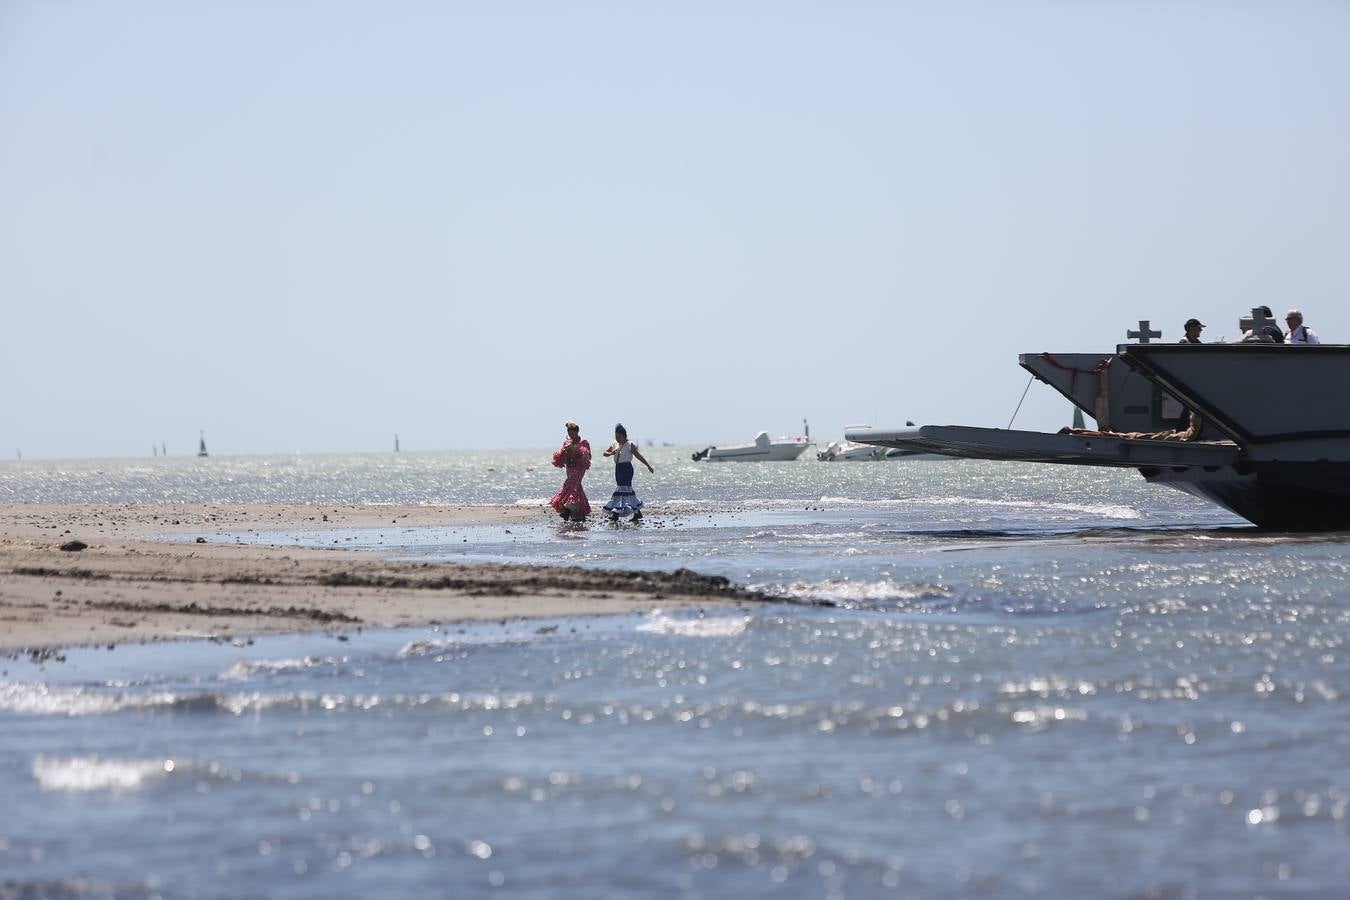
(1311, 496)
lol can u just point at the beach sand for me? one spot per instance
(131, 584)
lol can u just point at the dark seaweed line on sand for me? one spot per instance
(513, 580)
(498, 581)
(47, 572)
(196, 609)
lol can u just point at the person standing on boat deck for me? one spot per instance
(1193, 328)
(1298, 332)
(575, 456)
(625, 500)
(1171, 407)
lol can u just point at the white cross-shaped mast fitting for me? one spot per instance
(1143, 334)
(1258, 322)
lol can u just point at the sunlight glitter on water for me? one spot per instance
(769, 747)
(1024, 671)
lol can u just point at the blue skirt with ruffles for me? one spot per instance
(624, 501)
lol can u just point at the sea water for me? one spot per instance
(1023, 681)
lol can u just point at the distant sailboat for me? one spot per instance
(396, 443)
(201, 449)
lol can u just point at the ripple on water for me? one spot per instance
(245, 669)
(93, 773)
(77, 774)
(710, 627)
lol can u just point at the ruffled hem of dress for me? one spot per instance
(576, 499)
(623, 501)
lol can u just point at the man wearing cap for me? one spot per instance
(1298, 332)
(1193, 327)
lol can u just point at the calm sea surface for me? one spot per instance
(1033, 681)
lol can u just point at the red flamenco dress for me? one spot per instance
(570, 501)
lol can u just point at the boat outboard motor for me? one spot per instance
(702, 454)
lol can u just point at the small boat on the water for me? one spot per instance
(850, 451)
(762, 449)
(847, 451)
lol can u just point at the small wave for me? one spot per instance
(427, 646)
(807, 537)
(879, 501)
(1105, 510)
(868, 594)
(42, 700)
(1046, 686)
(721, 626)
(45, 700)
(245, 669)
(73, 888)
(531, 501)
(76, 774)
(834, 537)
(1038, 717)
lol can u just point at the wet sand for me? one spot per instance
(131, 584)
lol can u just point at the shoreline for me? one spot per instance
(129, 584)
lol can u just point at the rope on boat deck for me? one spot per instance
(1019, 402)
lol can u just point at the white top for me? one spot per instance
(624, 453)
(1303, 335)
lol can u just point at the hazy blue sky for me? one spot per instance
(310, 225)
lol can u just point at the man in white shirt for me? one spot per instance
(1298, 332)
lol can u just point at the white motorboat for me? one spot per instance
(850, 451)
(847, 451)
(762, 449)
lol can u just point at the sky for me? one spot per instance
(309, 226)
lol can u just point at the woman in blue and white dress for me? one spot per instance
(625, 501)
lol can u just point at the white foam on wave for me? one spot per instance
(76, 774)
(694, 504)
(833, 537)
(255, 702)
(247, 668)
(425, 646)
(47, 700)
(867, 593)
(719, 626)
(531, 501)
(1105, 510)
(808, 538)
